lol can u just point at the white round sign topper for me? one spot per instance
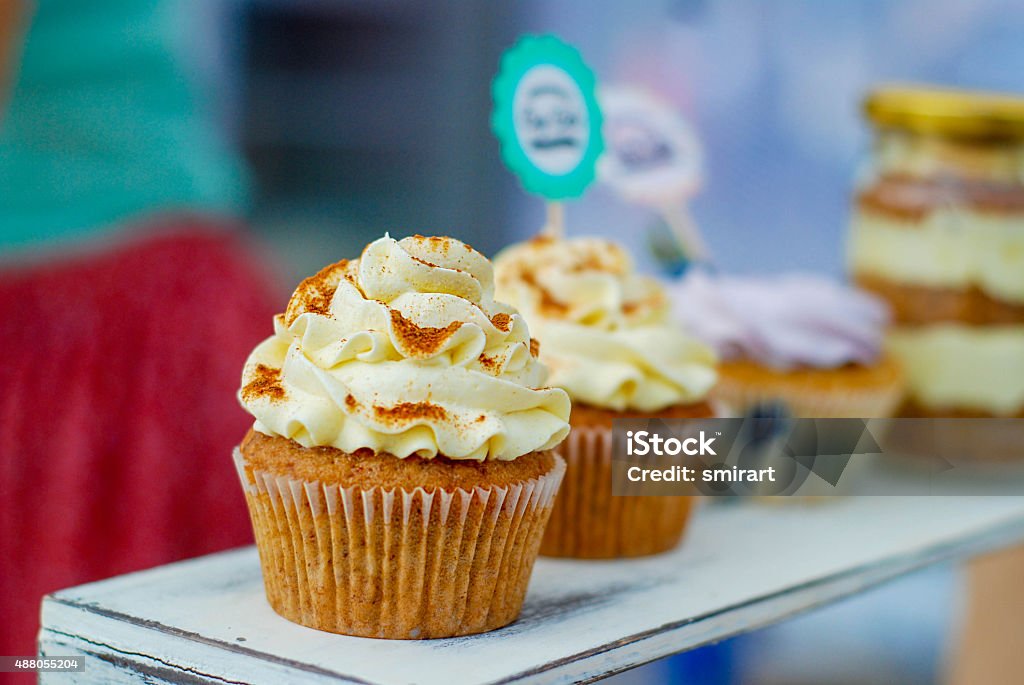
(652, 156)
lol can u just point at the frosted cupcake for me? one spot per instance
(804, 340)
(605, 334)
(400, 471)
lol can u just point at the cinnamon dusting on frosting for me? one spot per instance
(425, 262)
(534, 348)
(502, 322)
(434, 266)
(266, 382)
(435, 241)
(421, 341)
(410, 411)
(557, 279)
(314, 294)
(441, 243)
(596, 257)
(548, 305)
(490, 364)
(656, 301)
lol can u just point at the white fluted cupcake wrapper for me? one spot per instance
(589, 522)
(397, 563)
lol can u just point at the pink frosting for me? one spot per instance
(784, 321)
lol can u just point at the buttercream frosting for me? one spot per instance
(605, 331)
(405, 351)
(784, 322)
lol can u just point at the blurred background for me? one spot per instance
(315, 125)
(356, 117)
(362, 116)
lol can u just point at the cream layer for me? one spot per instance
(950, 248)
(957, 366)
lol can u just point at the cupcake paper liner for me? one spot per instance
(589, 522)
(400, 564)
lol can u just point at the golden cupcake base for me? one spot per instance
(588, 522)
(397, 563)
(852, 391)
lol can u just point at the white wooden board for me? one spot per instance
(741, 567)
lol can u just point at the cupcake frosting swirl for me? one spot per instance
(783, 322)
(605, 331)
(405, 351)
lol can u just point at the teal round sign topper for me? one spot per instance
(546, 117)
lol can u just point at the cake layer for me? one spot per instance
(953, 249)
(912, 197)
(917, 305)
(957, 366)
(366, 470)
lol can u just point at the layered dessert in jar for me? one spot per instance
(938, 232)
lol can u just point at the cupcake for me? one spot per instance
(400, 472)
(606, 336)
(803, 340)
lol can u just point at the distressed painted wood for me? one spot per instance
(742, 567)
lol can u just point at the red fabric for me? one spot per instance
(118, 412)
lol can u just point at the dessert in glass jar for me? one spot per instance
(938, 232)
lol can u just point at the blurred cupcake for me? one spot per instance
(399, 474)
(605, 334)
(804, 340)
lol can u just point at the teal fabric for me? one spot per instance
(106, 123)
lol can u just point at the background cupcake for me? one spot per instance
(803, 340)
(605, 334)
(399, 472)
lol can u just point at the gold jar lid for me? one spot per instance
(974, 116)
